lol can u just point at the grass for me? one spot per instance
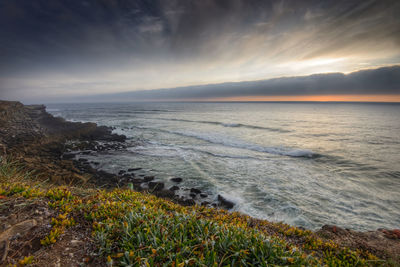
(11, 171)
(139, 229)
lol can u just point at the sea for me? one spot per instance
(305, 164)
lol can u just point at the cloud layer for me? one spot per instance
(367, 82)
(63, 48)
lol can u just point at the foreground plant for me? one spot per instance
(139, 229)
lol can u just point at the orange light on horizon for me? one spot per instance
(314, 98)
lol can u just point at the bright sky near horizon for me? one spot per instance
(57, 50)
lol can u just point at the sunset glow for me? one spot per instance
(317, 98)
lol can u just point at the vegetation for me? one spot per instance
(139, 229)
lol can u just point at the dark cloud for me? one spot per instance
(366, 82)
(52, 46)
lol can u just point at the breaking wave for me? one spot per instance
(225, 124)
(219, 140)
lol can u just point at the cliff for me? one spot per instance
(24, 125)
(35, 138)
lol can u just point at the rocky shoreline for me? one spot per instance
(51, 145)
(53, 149)
(135, 177)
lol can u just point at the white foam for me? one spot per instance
(234, 198)
(230, 142)
(223, 140)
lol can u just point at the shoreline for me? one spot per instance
(42, 143)
(51, 145)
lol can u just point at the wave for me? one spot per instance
(144, 111)
(224, 124)
(218, 155)
(196, 150)
(52, 109)
(238, 144)
(247, 146)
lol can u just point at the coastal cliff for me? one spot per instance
(82, 216)
(38, 140)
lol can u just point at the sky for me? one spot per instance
(60, 50)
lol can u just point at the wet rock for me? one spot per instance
(174, 188)
(68, 156)
(187, 202)
(136, 180)
(192, 195)
(176, 179)
(105, 175)
(195, 191)
(121, 172)
(134, 169)
(148, 178)
(225, 203)
(165, 194)
(203, 195)
(156, 186)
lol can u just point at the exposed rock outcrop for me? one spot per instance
(37, 139)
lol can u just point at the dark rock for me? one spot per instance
(105, 175)
(174, 188)
(156, 186)
(68, 156)
(165, 194)
(195, 191)
(176, 179)
(121, 172)
(205, 203)
(136, 180)
(148, 178)
(192, 195)
(187, 202)
(82, 160)
(134, 169)
(203, 195)
(225, 203)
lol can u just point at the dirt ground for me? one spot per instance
(24, 223)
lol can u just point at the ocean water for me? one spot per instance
(306, 164)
